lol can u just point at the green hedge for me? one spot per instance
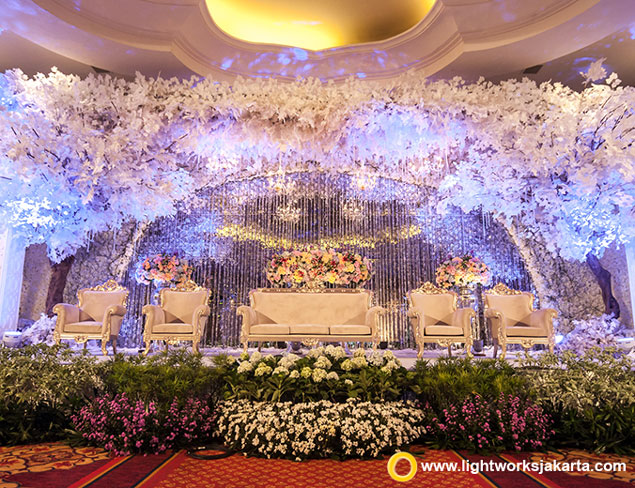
(591, 399)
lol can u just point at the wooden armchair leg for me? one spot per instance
(147, 349)
(259, 346)
(114, 344)
(449, 350)
(495, 341)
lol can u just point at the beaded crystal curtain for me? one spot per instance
(235, 229)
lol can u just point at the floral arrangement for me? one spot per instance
(319, 429)
(317, 267)
(104, 129)
(326, 373)
(507, 423)
(123, 426)
(41, 332)
(162, 268)
(462, 271)
(593, 332)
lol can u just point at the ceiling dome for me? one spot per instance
(315, 25)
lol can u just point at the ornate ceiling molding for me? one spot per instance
(185, 30)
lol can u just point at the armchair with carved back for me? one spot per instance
(513, 320)
(98, 315)
(435, 318)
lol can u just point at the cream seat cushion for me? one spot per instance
(349, 330)
(87, 326)
(269, 329)
(526, 331)
(444, 330)
(175, 328)
(313, 329)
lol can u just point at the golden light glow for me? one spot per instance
(316, 25)
(241, 233)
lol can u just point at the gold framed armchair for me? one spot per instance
(181, 316)
(513, 320)
(435, 318)
(97, 315)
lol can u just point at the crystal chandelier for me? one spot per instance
(281, 184)
(289, 213)
(364, 181)
(353, 210)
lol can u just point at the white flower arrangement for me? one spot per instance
(319, 429)
(40, 331)
(73, 148)
(593, 332)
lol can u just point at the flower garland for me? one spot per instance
(318, 267)
(162, 269)
(462, 271)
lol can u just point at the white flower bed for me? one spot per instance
(319, 429)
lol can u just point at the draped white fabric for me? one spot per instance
(11, 267)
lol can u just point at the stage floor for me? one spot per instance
(407, 357)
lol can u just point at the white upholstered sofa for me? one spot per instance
(337, 315)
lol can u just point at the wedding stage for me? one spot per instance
(308, 244)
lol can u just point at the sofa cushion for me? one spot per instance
(349, 330)
(330, 307)
(180, 305)
(515, 308)
(313, 329)
(434, 309)
(176, 328)
(269, 329)
(86, 327)
(94, 303)
(526, 331)
(445, 330)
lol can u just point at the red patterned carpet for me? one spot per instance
(60, 466)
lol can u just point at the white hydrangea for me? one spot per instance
(332, 376)
(281, 370)
(255, 357)
(336, 352)
(347, 365)
(376, 358)
(323, 362)
(316, 352)
(318, 375)
(244, 367)
(262, 370)
(359, 352)
(294, 374)
(359, 362)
